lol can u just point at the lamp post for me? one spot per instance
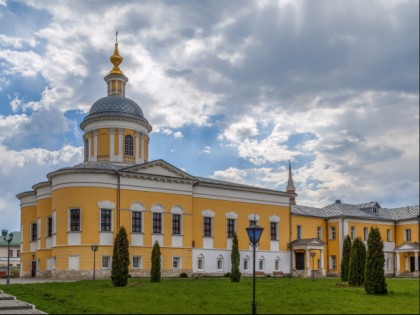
(254, 233)
(94, 248)
(8, 239)
(313, 264)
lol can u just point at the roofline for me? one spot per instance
(26, 193)
(101, 116)
(41, 184)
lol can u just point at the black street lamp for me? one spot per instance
(94, 248)
(313, 264)
(8, 239)
(254, 233)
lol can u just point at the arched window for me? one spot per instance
(277, 264)
(246, 263)
(200, 262)
(220, 263)
(261, 264)
(128, 147)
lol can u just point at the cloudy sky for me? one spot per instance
(233, 90)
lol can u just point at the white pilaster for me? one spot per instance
(142, 146)
(136, 147)
(398, 262)
(406, 262)
(307, 267)
(112, 144)
(95, 145)
(416, 261)
(89, 145)
(322, 262)
(120, 144)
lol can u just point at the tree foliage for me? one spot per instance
(345, 260)
(374, 272)
(155, 272)
(235, 274)
(357, 263)
(120, 259)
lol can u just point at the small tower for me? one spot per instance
(291, 186)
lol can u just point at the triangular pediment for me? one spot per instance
(408, 247)
(157, 168)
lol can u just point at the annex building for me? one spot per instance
(192, 218)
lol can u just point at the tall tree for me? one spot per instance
(345, 259)
(374, 272)
(155, 271)
(120, 259)
(235, 274)
(357, 263)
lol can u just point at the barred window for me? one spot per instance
(207, 226)
(74, 220)
(136, 221)
(128, 148)
(230, 227)
(176, 224)
(106, 262)
(273, 231)
(157, 223)
(137, 262)
(105, 220)
(34, 232)
(49, 222)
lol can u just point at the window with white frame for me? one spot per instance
(365, 234)
(106, 220)
(200, 263)
(136, 221)
(319, 232)
(33, 232)
(128, 145)
(273, 231)
(176, 262)
(157, 223)
(74, 215)
(261, 264)
(136, 262)
(353, 232)
(332, 233)
(246, 263)
(230, 227)
(10, 252)
(18, 253)
(49, 227)
(299, 232)
(106, 262)
(207, 226)
(176, 224)
(277, 264)
(333, 262)
(407, 235)
(388, 235)
(220, 263)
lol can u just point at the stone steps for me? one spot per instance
(9, 305)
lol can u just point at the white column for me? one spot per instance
(142, 146)
(120, 144)
(307, 267)
(293, 261)
(398, 261)
(406, 262)
(416, 261)
(95, 145)
(322, 262)
(136, 147)
(111, 144)
(90, 156)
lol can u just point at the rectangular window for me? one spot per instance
(136, 221)
(408, 235)
(157, 223)
(273, 231)
(332, 233)
(319, 232)
(176, 224)
(176, 262)
(74, 220)
(33, 231)
(106, 262)
(333, 261)
(207, 226)
(49, 226)
(11, 253)
(230, 227)
(299, 232)
(105, 221)
(18, 253)
(388, 235)
(353, 232)
(365, 233)
(137, 262)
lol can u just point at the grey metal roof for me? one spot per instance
(358, 211)
(116, 104)
(15, 240)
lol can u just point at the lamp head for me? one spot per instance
(4, 233)
(254, 233)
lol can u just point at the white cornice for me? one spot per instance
(231, 215)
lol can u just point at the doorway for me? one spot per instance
(300, 261)
(33, 269)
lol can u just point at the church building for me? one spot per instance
(192, 218)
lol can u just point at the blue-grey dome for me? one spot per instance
(116, 104)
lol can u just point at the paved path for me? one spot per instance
(9, 305)
(31, 280)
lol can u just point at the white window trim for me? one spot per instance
(220, 258)
(299, 232)
(407, 232)
(158, 208)
(246, 259)
(69, 220)
(365, 233)
(140, 262)
(179, 262)
(211, 227)
(46, 226)
(353, 232)
(178, 210)
(319, 232)
(203, 263)
(109, 262)
(100, 220)
(333, 261)
(333, 233)
(261, 260)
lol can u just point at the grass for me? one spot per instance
(218, 296)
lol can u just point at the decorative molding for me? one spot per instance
(120, 131)
(208, 213)
(177, 210)
(231, 215)
(274, 218)
(106, 204)
(253, 216)
(112, 131)
(137, 206)
(158, 208)
(95, 132)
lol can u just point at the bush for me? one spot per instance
(235, 274)
(357, 263)
(183, 275)
(227, 275)
(345, 261)
(120, 259)
(155, 271)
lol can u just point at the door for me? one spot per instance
(33, 271)
(412, 263)
(300, 261)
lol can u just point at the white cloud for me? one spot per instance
(17, 42)
(206, 150)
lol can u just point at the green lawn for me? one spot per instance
(218, 296)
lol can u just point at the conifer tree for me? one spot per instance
(357, 263)
(120, 259)
(374, 272)
(345, 260)
(235, 274)
(155, 271)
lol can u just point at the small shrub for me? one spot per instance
(227, 275)
(183, 275)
